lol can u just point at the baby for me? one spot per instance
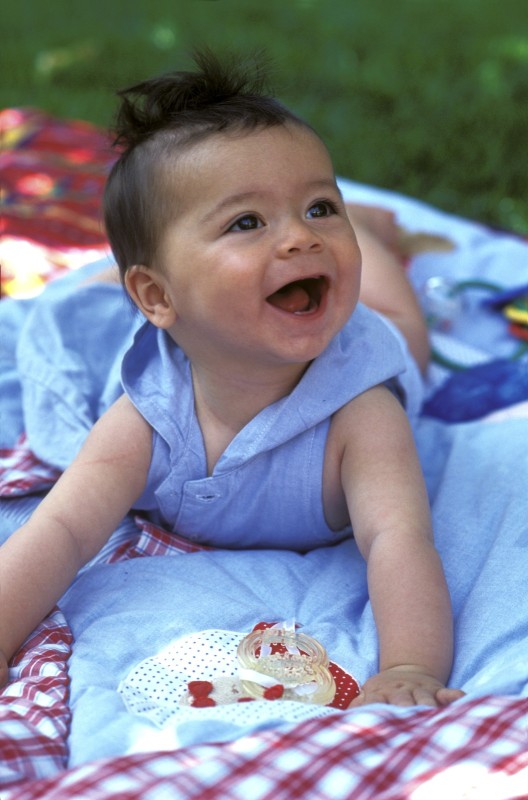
(263, 404)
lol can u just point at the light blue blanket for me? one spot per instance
(121, 614)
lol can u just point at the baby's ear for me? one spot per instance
(147, 289)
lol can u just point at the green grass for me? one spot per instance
(426, 97)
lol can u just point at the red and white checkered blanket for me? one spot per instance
(473, 749)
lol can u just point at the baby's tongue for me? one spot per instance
(292, 298)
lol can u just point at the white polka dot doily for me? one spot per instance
(158, 687)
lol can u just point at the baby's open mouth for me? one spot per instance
(299, 297)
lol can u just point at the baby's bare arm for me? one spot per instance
(40, 560)
(390, 516)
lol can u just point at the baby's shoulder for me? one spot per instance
(365, 415)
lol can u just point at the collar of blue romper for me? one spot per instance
(156, 375)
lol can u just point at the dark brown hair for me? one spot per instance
(157, 120)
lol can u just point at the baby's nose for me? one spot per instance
(299, 236)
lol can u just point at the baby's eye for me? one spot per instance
(323, 208)
(248, 222)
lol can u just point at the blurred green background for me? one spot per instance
(426, 97)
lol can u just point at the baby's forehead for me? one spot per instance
(257, 150)
(233, 139)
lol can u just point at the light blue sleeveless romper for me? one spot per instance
(266, 488)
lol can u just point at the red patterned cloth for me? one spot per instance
(154, 541)
(473, 750)
(34, 712)
(476, 748)
(53, 174)
(22, 473)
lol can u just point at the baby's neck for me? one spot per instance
(225, 405)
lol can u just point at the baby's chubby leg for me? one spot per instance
(384, 284)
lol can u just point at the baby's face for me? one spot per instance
(261, 263)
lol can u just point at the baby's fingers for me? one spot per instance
(396, 696)
(445, 697)
(405, 688)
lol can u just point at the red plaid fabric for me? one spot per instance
(153, 541)
(22, 473)
(474, 749)
(34, 712)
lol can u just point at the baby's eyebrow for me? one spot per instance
(232, 200)
(241, 198)
(324, 183)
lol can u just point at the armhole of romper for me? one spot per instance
(394, 386)
(155, 476)
(320, 517)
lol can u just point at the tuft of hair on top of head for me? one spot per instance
(216, 95)
(158, 120)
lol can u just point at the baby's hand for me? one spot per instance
(406, 685)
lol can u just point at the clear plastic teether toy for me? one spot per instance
(279, 662)
(441, 302)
